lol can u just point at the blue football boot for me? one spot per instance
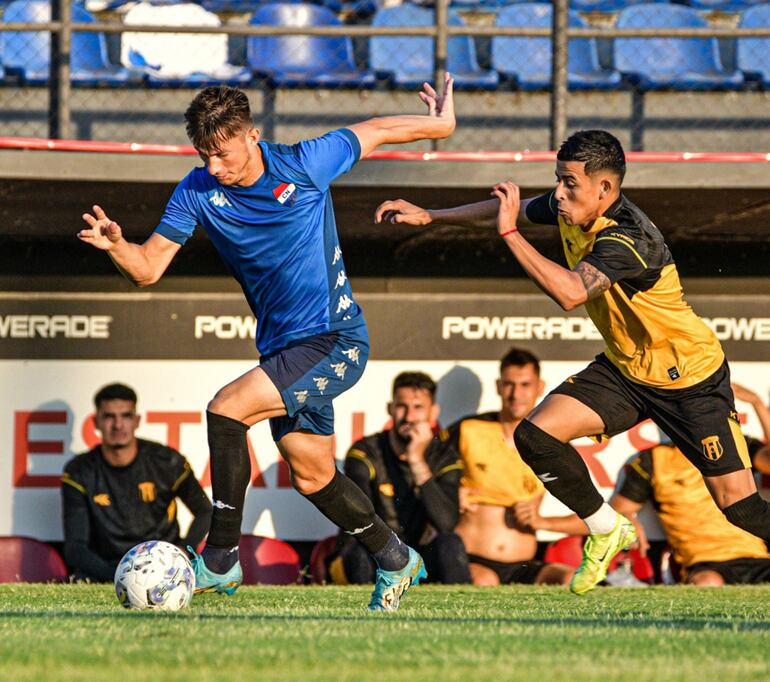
(208, 581)
(391, 586)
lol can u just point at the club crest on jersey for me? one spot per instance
(285, 192)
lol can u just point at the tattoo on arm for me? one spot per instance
(595, 281)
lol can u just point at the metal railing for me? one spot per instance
(61, 28)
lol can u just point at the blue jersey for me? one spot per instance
(278, 237)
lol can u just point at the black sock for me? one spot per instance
(752, 514)
(559, 466)
(346, 505)
(230, 471)
(393, 556)
(220, 559)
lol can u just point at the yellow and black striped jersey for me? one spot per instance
(652, 335)
(695, 527)
(491, 466)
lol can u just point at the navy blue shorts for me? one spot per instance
(310, 373)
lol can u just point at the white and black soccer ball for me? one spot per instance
(155, 575)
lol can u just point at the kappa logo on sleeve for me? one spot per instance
(285, 192)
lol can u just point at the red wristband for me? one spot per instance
(511, 231)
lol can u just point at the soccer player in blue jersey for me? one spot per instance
(267, 209)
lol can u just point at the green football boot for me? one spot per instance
(598, 552)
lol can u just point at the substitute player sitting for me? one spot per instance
(500, 551)
(660, 361)
(267, 209)
(124, 491)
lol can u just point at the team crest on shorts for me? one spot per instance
(712, 448)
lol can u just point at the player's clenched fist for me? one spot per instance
(400, 211)
(102, 233)
(510, 201)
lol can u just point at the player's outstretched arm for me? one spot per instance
(479, 214)
(142, 264)
(437, 124)
(568, 288)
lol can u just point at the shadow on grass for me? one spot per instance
(636, 623)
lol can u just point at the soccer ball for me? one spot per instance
(154, 575)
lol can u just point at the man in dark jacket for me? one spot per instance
(124, 491)
(412, 479)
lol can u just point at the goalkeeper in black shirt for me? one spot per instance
(124, 492)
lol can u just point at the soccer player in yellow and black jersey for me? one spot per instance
(661, 360)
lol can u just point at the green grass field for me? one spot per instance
(79, 632)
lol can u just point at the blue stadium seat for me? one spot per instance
(27, 53)
(304, 61)
(753, 54)
(408, 60)
(527, 61)
(671, 63)
(606, 5)
(724, 5)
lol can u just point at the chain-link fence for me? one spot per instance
(661, 75)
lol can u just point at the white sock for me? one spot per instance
(601, 521)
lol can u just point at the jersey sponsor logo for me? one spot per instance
(147, 491)
(673, 372)
(623, 237)
(477, 328)
(301, 396)
(220, 200)
(52, 326)
(352, 354)
(341, 279)
(712, 448)
(286, 191)
(321, 383)
(102, 499)
(337, 255)
(344, 303)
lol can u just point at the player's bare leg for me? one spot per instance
(543, 442)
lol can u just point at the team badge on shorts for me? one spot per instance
(712, 448)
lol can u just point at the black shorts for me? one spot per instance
(700, 420)
(523, 572)
(736, 571)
